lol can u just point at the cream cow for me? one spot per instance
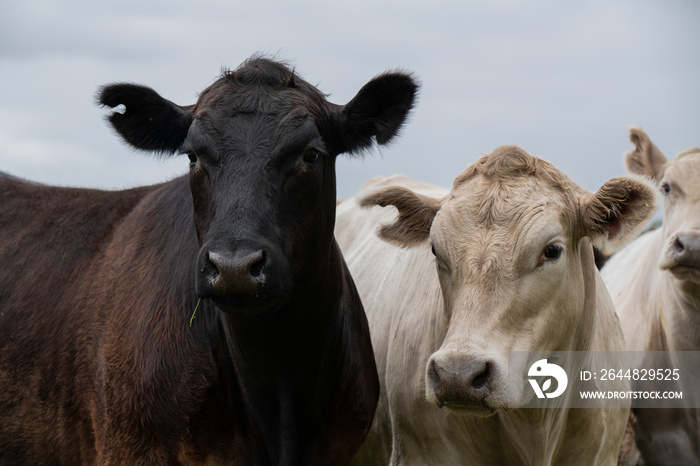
(502, 262)
(655, 285)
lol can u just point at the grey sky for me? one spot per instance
(561, 79)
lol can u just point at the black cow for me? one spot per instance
(98, 360)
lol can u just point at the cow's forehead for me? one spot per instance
(509, 206)
(259, 93)
(501, 188)
(260, 116)
(291, 120)
(273, 103)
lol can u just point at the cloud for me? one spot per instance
(561, 79)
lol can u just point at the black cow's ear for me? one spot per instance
(378, 110)
(149, 122)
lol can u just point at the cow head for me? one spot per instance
(261, 144)
(678, 182)
(512, 245)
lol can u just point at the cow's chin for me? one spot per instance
(686, 273)
(481, 410)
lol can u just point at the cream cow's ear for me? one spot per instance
(646, 159)
(619, 209)
(416, 214)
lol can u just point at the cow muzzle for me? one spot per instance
(682, 256)
(461, 383)
(241, 272)
(238, 278)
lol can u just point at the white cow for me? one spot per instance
(655, 285)
(511, 269)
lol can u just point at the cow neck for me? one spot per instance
(531, 435)
(689, 290)
(539, 436)
(679, 313)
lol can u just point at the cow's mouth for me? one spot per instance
(477, 409)
(686, 273)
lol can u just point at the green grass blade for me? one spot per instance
(195, 310)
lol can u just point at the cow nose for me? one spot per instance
(238, 272)
(461, 383)
(684, 251)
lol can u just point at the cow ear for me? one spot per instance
(646, 159)
(378, 110)
(416, 214)
(619, 209)
(148, 122)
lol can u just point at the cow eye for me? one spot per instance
(192, 157)
(666, 188)
(552, 252)
(441, 265)
(311, 156)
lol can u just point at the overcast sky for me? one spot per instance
(561, 79)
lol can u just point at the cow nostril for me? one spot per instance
(256, 267)
(433, 374)
(678, 246)
(482, 378)
(209, 268)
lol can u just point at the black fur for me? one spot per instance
(150, 122)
